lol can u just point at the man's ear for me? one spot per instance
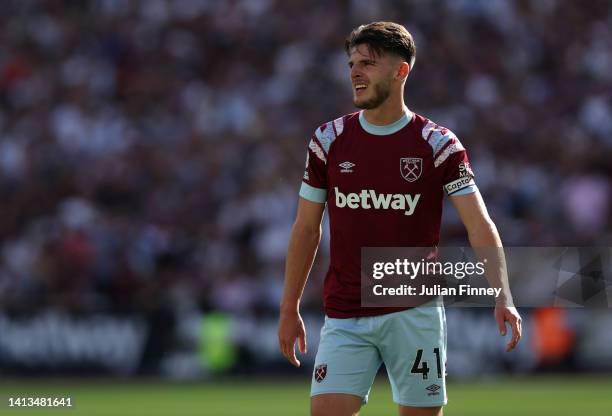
(403, 70)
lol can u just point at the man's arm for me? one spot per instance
(483, 234)
(303, 244)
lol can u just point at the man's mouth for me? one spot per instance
(360, 86)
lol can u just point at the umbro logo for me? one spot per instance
(346, 167)
(433, 390)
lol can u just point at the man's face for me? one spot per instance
(371, 76)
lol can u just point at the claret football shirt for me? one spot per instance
(384, 187)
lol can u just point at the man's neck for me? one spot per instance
(388, 112)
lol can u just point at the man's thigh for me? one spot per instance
(347, 361)
(335, 404)
(412, 344)
(420, 411)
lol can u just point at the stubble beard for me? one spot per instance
(381, 93)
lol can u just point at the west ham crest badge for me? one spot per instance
(320, 372)
(411, 168)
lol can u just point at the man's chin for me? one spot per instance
(364, 105)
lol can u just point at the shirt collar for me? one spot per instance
(387, 128)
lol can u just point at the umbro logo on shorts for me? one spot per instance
(320, 372)
(433, 390)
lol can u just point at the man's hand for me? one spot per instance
(290, 327)
(510, 314)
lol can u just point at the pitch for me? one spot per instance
(542, 396)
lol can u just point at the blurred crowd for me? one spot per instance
(151, 151)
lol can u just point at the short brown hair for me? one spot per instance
(387, 37)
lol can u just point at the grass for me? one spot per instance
(542, 396)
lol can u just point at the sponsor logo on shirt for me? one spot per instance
(465, 169)
(369, 199)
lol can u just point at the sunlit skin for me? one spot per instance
(384, 76)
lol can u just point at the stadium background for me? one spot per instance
(150, 157)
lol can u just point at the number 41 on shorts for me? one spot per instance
(421, 367)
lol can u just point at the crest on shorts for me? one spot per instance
(411, 168)
(320, 372)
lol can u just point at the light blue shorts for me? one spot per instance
(411, 343)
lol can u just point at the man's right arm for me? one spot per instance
(303, 244)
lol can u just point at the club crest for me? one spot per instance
(411, 168)
(320, 372)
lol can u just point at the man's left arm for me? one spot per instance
(483, 235)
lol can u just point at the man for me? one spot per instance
(359, 154)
